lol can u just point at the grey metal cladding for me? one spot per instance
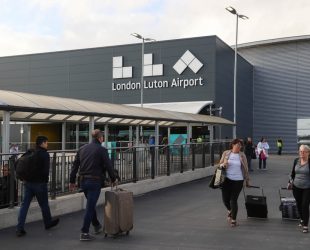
(281, 90)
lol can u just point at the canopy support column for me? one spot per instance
(137, 135)
(77, 136)
(189, 133)
(169, 132)
(106, 134)
(6, 132)
(91, 127)
(63, 136)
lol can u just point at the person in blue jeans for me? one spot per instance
(93, 161)
(36, 186)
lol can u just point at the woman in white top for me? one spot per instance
(262, 150)
(236, 175)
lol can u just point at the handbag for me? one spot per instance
(218, 178)
(263, 155)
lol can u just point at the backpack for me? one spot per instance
(25, 165)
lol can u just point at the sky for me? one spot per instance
(36, 26)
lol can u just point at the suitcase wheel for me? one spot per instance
(105, 235)
(127, 233)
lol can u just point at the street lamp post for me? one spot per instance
(144, 39)
(234, 12)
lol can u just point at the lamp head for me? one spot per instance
(149, 40)
(137, 35)
(243, 17)
(231, 10)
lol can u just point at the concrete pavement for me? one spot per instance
(185, 217)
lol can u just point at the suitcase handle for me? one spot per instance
(282, 188)
(250, 186)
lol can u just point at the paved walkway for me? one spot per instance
(185, 217)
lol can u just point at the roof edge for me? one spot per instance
(272, 41)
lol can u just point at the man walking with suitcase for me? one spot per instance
(92, 160)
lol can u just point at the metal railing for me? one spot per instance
(133, 164)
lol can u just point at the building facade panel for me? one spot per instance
(281, 89)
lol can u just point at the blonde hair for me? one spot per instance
(304, 146)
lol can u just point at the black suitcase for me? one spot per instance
(288, 207)
(256, 205)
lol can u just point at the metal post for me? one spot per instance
(137, 135)
(134, 165)
(169, 131)
(220, 114)
(77, 136)
(181, 155)
(53, 188)
(6, 133)
(106, 135)
(12, 183)
(157, 162)
(235, 83)
(130, 135)
(193, 156)
(63, 156)
(203, 155)
(91, 127)
(189, 133)
(168, 159)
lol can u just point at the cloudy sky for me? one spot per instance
(34, 26)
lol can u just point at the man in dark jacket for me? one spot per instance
(93, 161)
(36, 186)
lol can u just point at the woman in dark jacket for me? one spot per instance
(249, 150)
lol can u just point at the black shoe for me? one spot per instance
(20, 233)
(52, 224)
(86, 237)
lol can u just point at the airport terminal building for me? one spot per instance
(272, 83)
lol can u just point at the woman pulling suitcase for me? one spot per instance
(300, 183)
(235, 163)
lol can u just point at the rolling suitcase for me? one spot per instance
(256, 205)
(288, 207)
(118, 212)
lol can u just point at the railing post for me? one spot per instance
(220, 149)
(203, 155)
(212, 154)
(53, 187)
(134, 165)
(181, 155)
(152, 151)
(112, 159)
(168, 160)
(193, 156)
(12, 186)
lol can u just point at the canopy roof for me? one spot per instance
(32, 107)
(186, 107)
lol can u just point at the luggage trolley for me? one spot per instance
(256, 205)
(288, 206)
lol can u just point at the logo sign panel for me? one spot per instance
(187, 60)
